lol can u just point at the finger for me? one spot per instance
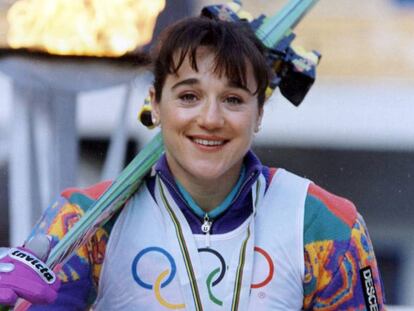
(39, 245)
(6, 267)
(7, 296)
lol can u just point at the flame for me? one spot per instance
(82, 27)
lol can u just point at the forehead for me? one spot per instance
(205, 65)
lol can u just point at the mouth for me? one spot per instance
(208, 142)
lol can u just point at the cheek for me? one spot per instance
(165, 113)
(249, 122)
(244, 131)
(174, 117)
(174, 121)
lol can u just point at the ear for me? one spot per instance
(154, 104)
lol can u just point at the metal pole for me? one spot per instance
(24, 192)
(114, 162)
(43, 154)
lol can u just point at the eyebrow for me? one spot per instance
(239, 86)
(193, 81)
(190, 81)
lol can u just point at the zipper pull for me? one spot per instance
(205, 227)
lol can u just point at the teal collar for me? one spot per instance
(218, 210)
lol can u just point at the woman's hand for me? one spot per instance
(24, 274)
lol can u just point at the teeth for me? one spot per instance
(205, 142)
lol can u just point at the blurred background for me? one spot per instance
(353, 134)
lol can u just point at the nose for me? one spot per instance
(211, 115)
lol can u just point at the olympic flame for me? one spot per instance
(82, 27)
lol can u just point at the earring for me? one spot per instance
(154, 121)
(258, 128)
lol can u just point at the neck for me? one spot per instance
(208, 194)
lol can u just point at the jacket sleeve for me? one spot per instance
(79, 275)
(341, 271)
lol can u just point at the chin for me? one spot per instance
(209, 172)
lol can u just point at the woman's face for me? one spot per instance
(207, 122)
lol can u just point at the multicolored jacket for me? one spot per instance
(337, 247)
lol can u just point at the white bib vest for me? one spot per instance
(154, 262)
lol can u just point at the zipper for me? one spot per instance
(206, 227)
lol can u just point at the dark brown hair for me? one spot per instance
(233, 43)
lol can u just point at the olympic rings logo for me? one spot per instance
(213, 278)
(159, 283)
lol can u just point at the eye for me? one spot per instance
(233, 100)
(188, 98)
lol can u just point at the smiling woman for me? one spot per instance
(208, 126)
(213, 228)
